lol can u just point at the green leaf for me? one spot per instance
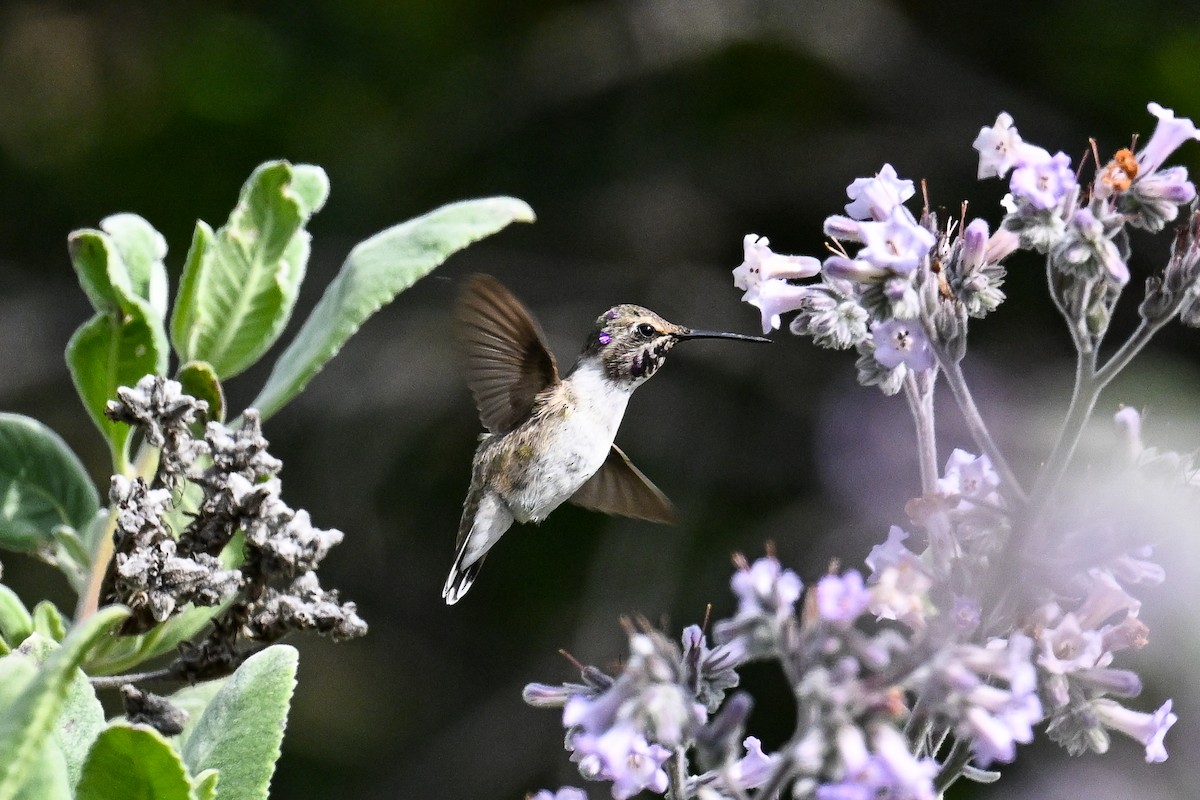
(48, 621)
(17, 671)
(194, 700)
(376, 270)
(204, 785)
(311, 185)
(15, 622)
(241, 730)
(29, 720)
(121, 271)
(142, 250)
(48, 778)
(42, 485)
(71, 556)
(108, 351)
(199, 379)
(133, 762)
(101, 271)
(239, 287)
(119, 289)
(82, 716)
(79, 724)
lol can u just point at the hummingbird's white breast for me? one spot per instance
(578, 425)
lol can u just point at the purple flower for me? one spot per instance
(1128, 633)
(908, 777)
(899, 581)
(998, 719)
(902, 342)
(896, 243)
(971, 479)
(891, 552)
(1154, 199)
(901, 592)
(1168, 135)
(991, 739)
(857, 270)
(760, 264)
(1043, 184)
(1001, 244)
(847, 790)
(595, 714)
(565, 793)
(623, 756)
(754, 768)
(1170, 185)
(965, 614)
(1105, 598)
(1137, 568)
(777, 297)
(708, 672)
(1068, 647)
(974, 245)
(996, 146)
(842, 598)
(1000, 148)
(766, 588)
(1087, 251)
(1129, 425)
(1120, 682)
(1149, 729)
(877, 197)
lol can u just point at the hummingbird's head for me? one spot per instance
(631, 342)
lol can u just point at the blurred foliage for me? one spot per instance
(649, 136)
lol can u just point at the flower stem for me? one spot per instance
(977, 427)
(114, 681)
(1089, 382)
(677, 775)
(918, 391)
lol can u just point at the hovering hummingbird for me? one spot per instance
(550, 439)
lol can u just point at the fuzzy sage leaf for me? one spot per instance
(125, 339)
(131, 763)
(376, 270)
(240, 731)
(239, 285)
(43, 484)
(27, 721)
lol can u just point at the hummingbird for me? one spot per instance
(550, 439)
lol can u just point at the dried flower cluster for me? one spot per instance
(173, 535)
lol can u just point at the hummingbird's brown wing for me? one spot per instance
(619, 487)
(508, 361)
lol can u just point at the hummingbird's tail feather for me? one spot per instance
(485, 519)
(461, 579)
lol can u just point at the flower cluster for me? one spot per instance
(1001, 605)
(172, 542)
(902, 298)
(884, 710)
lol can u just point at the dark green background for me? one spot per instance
(649, 136)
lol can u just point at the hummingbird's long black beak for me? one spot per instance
(689, 333)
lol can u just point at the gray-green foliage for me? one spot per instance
(236, 294)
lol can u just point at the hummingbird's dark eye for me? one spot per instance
(647, 330)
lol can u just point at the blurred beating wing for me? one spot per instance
(508, 361)
(619, 487)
